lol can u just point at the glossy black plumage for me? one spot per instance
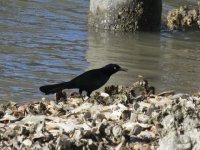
(88, 81)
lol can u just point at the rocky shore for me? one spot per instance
(119, 118)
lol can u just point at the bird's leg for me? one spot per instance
(82, 98)
(88, 95)
(80, 92)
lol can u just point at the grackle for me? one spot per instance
(88, 81)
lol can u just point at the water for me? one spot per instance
(46, 41)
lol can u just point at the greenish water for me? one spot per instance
(46, 41)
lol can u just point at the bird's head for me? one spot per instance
(113, 68)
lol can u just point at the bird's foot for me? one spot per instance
(85, 99)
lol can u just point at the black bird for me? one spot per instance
(88, 81)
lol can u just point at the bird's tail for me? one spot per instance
(54, 88)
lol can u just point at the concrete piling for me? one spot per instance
(125, 15)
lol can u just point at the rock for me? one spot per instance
(178, 116)
(84, 107)
(126, 114)
(143, 118)
(137, 129)
(2, 110)
(190, 105)
(166, 93)
(184, 143)
(9, 133)
(87, 115)
(168, 122)
(108, 130)
(133, 117)
(117, 131)
(104, 94)
(168, 142)
(141, 147)
(9, 118)
(189, 123)
(27, 142)
(161, 101)
(102, 128)
(147, 135)
(144, 106)
(117, 112)
(99, 117)
(92, 145)
(194, 136)
(120, 145)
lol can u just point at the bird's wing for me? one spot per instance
(92, 79)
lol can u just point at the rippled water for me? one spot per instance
(46, 41)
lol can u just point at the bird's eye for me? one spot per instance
(115, 68)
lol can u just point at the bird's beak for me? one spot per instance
(123, 69)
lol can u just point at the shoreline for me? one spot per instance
(118, 118)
